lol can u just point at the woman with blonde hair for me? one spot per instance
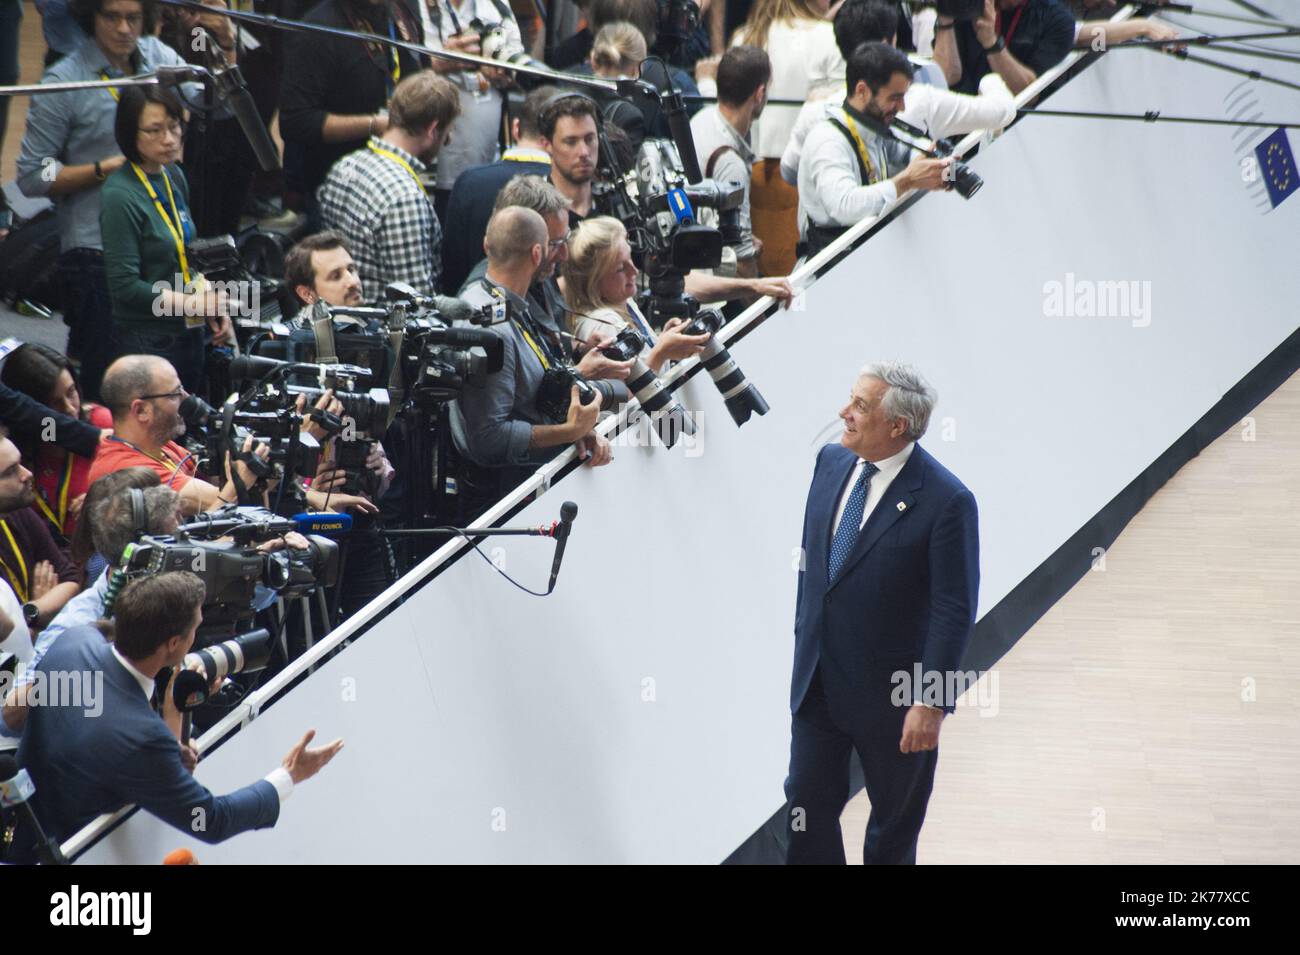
(617, 50)
(599, 280)
(800, 41)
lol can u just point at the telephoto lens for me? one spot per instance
(245, 653)
(741, 398)
(666, 413)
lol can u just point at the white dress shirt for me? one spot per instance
(876, 488)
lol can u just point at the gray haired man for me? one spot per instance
(888, 589)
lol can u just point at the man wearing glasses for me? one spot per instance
(69, 150)
(144, 394)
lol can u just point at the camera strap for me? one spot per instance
(849, 128)
(523, 321)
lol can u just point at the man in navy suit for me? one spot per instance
(102, 747)
(890, 581)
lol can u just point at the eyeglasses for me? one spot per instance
(155, 132)
(554, 244)
(133, 20)
(178, 393)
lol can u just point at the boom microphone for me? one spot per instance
(232, 88)
(16, 788)
(568, 511)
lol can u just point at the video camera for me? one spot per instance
(435, 359)
(222, 549)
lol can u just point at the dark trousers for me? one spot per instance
(88, 313)
(11, 15)
(183, 348)
(817, 789)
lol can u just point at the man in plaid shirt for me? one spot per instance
(376, 197)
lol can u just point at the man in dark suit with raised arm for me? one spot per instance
(890, 580)
(97, 749)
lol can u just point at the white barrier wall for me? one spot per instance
(640, 713)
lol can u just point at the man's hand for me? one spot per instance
(326, 402)
(707, 68)
(223, 333)
(459, 43)
(582, 418)
(74, 507)
(595, 450)
(189, 755)
(986, 26)
(924, 173)
(245, 474)
(778, 288)
(595, 365)
(920, 729)
(329, 478)
(498, 77)
(44, 579)
(303, 763)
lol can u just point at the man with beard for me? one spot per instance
(40, 574)
(144, 394)
(568, 127)
(376, 199)
(850, 168)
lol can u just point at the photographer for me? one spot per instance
(40, 574)
(113, 525)
(470, 205)
(61, 477)
(69, 150)
(1017, 39)
(375, 197)
(498, 424)
(144, 395)
(849, 170)
(457, 26)
(85, 762)
(334, 91)
(569, 136)
(159, 306)
(599, 287)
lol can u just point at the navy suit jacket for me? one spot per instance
(468, 209)
(906, 594)
(84, 765)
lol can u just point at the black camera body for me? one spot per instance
(556, 392)
(222, 550)
(253, 298)
(960, 9)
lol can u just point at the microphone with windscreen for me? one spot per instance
(568, 511)
(655, 71)
(232, 89)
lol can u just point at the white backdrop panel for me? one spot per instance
(490, 726)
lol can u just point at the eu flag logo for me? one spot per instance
(1277, 163)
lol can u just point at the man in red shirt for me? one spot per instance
(144, 394)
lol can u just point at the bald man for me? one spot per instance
(496, 423)
(144, 394)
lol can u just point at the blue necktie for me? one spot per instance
(846, 535)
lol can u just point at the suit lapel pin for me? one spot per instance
(901, 507)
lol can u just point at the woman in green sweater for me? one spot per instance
(160, 306)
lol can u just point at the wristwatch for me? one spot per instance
(996, 48)
(31, 614)
(99, 172)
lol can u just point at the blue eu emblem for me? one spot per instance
(1278, 167)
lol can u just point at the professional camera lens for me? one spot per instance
(965, 180)
(245, 653)
(666, 412)
(741, 398)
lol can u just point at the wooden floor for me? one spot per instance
(1153, 715)
(31, 60)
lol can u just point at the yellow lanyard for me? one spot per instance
(20, 587)
(862, 148)
(533, 345)
(62, 494)
(173, 224)
(402, 162)
(112, 91)
(397, 66)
